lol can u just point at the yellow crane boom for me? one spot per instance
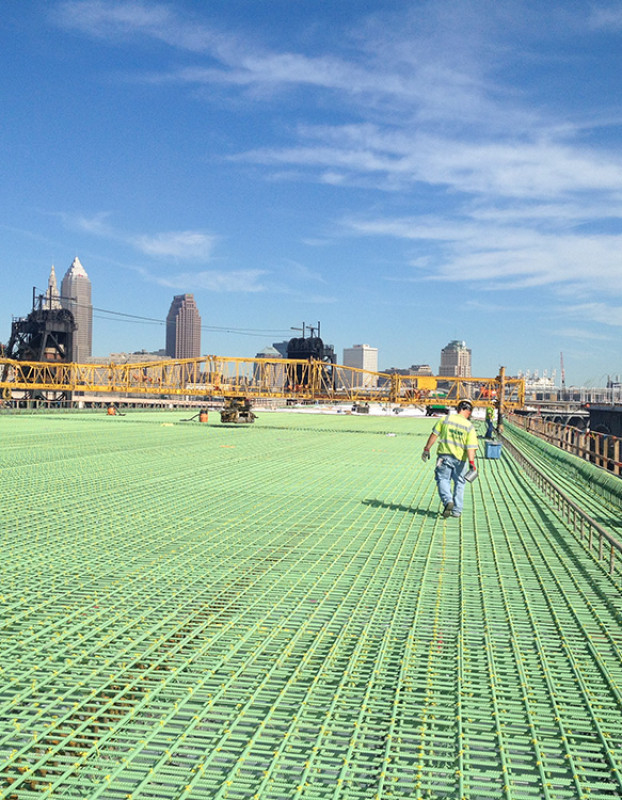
(291, 379)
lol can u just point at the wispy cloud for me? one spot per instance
(249, 280)
(197, 246)
(118, 21)
(523, 190)
(184, 245)
(178, 245)
(582, 334)
(603, 313)
(399, 160)
(503, 256)
(401, 72)
(606, 17)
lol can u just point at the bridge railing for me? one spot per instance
(597, 540)
(598, 448)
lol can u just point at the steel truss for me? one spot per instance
(290, 379)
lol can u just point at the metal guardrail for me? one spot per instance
(584, 527)
(598, 448)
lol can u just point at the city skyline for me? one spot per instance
(409, 173)
(454, 357)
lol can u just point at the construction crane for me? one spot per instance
(563, 372)
(294, 380)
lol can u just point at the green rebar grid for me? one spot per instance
(278, 611)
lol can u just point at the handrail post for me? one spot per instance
(500, 399)
(567, 508)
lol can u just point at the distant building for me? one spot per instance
(540, 387)
(414, 369)
(361, 356)
(281, 348)
(76, 296)
(137, 357)
(455, 360)
(51, 298)
(183, 328)
(420, 369)
(269, 352)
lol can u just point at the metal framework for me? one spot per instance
(202, 614)
(292, 379)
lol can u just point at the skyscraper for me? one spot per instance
(455, 360)
(183, 328)
(51, 298)
(361, 356)
(75, 292)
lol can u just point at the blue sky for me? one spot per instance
(406, 173)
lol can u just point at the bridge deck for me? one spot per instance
(278, 611)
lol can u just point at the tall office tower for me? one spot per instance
(51, 299)
(455, 360)
(75, 292)
(183, 328)
(361, 356)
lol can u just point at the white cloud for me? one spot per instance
(301, 273)
(603, 313)
(434, 112)
(183, 245)
(581, 334)
(118, 21)
(505, 256)
(218, 281)
(406, 72)
(606, 18)
(399, 160)
(431, 69)
(97, 225)
(190, 245)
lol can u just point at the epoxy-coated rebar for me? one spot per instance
(279, 611)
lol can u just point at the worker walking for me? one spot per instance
(457, 443)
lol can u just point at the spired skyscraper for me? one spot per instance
(75, 291)
(183, 328)
(51, 299)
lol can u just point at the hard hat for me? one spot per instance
(465, 404)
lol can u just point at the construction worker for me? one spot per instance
(490, 423)
(457, 443)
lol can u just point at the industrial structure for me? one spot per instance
(294, 380)
(305, 350)
(46, 336)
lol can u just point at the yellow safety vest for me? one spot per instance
(455, 436)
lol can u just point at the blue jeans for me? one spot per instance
(448, 469)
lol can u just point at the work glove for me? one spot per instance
(425, 455)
